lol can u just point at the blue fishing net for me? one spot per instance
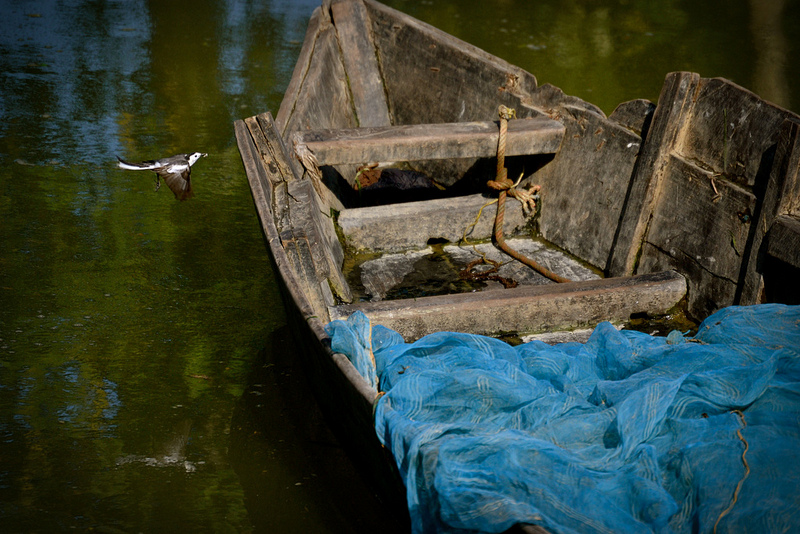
(625, 433)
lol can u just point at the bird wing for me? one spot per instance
(149, 165)
(179, 182)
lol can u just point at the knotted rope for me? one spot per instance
(506, 187)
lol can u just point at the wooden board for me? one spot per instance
(305, 230)
(784, 240)
(260, 182)
(730, 131)
(661, 137)
(706, 188)
(410, 225)
(787, 165)
(319, 19)
(323, 99)
(526, 309)
(433, 77)
(273, 162)
(687, 221)
(538, 135)
(634, 115)
(360, 63)
(316, 227)
(780, 197)
(692, 233)
(584, 187)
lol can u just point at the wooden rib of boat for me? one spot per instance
(375, 168)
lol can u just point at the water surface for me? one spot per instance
(147, 380)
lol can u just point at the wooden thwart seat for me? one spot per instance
(537, 135)
(526, 308)
(386, 228)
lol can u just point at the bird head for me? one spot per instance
(194, 157)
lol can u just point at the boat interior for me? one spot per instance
(373, 177)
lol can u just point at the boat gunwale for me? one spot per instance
(282, 263)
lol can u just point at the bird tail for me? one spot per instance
(143, 166)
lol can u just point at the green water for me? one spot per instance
(147, 380)
(608, 52)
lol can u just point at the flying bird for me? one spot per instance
(176, 171)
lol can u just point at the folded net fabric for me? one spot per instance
(625, 433)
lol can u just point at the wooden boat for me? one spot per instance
(695, 201)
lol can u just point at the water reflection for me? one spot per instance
(146, 381)
(130, 322)
(772, 47)
(609, 52)
(289, 463)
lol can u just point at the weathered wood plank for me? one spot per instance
(688, 220)
(290, 234)
(784, 240)
(307, 217)
(304, 229)
(692, 233)
(318, 20)
(302, 264)
(673, 105)
(634, 115)
(584, 186)
(288, 259)
(433, 77)
(273, 151)
(528, 309)
(410, 225)
(730, 130)
(323, 100)
(538, 135)
(781, 193)
(788, 161)
(360, 63)
(269, 194)
(705, 190)
(260, 182)
(262, 151)
(289, 168)
(706, 290)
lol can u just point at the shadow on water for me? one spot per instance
(295, 475)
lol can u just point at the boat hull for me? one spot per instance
(664, 202)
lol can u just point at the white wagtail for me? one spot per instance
(176, 171)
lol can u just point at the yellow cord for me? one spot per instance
(746, 470)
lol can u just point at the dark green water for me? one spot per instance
(608, 51)
(147, 381)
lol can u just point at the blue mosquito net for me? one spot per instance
(625, 433)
